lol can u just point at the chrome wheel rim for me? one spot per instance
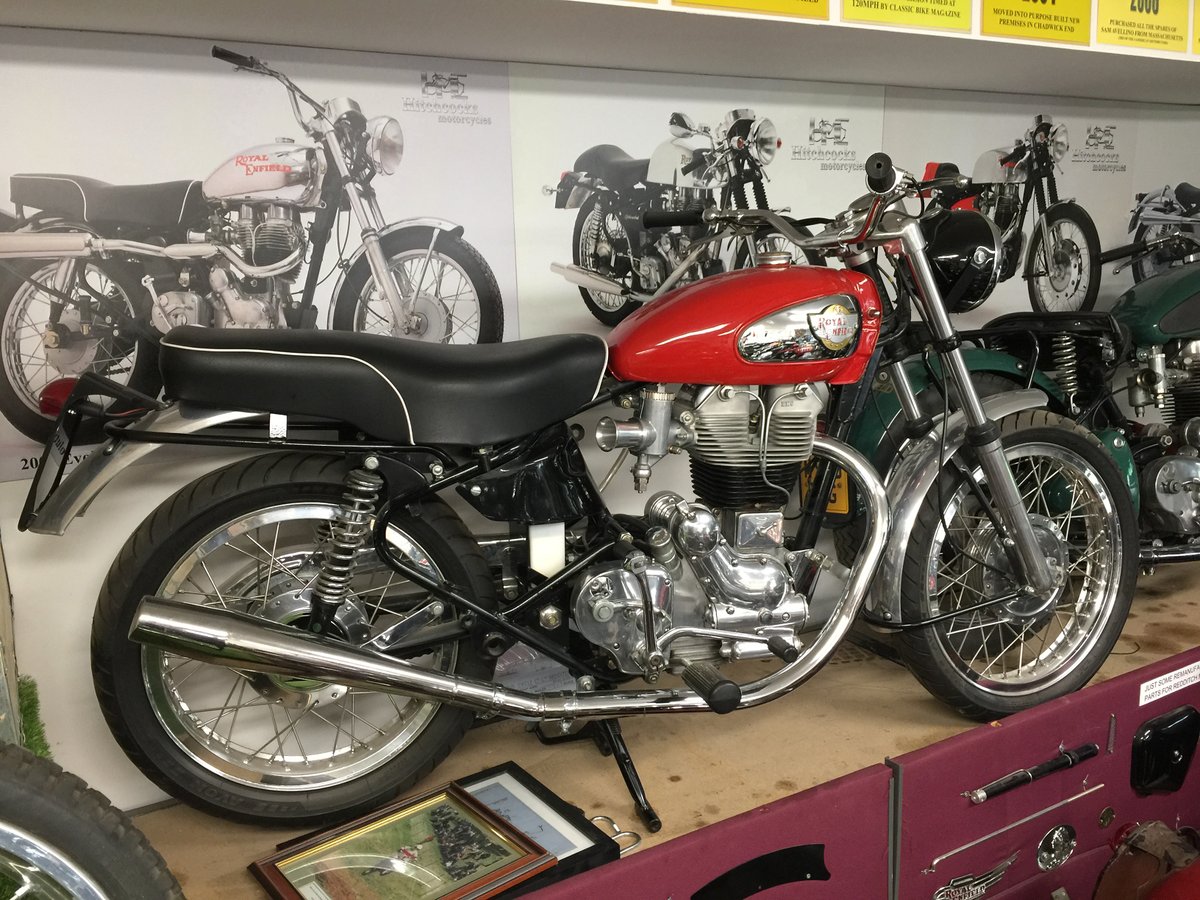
(31, 868)
(589, 257)
(29, 366)
(1027, 645)
(272, 732)
(1065, 275)
(445, 306)
(1153, 263)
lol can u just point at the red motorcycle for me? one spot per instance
(299, 636)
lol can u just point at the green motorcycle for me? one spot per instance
(1130, 376)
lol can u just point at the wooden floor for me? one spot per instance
(699, 769)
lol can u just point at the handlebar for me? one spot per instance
(234, 59)
(881, 174)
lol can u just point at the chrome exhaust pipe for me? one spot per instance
(239, 641)
(590, 280)
(44, 245)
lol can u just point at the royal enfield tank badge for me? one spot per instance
(835, 326)
(968, 887)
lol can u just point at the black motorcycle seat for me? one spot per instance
(1187, 194)
(166, 205)
(613, 166)
(388, 388)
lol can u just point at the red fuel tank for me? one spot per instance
(768, 325)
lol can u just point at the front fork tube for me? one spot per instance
(983, 434)
(62, 282)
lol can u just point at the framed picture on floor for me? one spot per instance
(442, 844)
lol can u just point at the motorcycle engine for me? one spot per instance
(265, 237)
(719, 562)
(1171, 494)
(246, 302)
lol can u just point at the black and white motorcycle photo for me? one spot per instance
(616, 263)
(93, 274)
(1165, 226)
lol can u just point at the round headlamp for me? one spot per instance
(385, 144)
(1060, 142)
(764, 141)
(963, 246)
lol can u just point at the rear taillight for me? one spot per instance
(54, 396)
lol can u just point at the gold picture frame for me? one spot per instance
(442, 844)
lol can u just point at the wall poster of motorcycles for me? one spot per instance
(701, 301)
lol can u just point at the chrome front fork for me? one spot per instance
(370, 219)
(983, 435)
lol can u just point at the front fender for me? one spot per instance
(883, 410)
(451, 228)
(78, 489)
(910, 480)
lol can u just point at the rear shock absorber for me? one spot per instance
(1066, 366)
(340, 545)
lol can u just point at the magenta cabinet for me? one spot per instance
(947, 842)
(846, 819)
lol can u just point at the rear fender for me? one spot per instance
(79, 488)
(910, 480)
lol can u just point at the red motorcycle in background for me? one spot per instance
(301, 635)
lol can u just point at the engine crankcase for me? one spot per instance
(1171, 495)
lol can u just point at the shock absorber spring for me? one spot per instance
(341, 542)
(1066, 365)
(760, 194)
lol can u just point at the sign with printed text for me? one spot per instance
(1147, 24)
(1068, 21)
(953, 15)
(807, 9)
(1168, 684)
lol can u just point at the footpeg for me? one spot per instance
(783, 648)
(721, 694)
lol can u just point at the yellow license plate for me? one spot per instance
(839, 497)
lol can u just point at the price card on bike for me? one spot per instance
(806, 9)
(952, 15)
(1147, 24)
(1067, 21)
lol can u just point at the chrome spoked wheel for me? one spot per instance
(1027, 643)
(1064, 261)
(997, 647)
(446, 310)
(274, 731)
(1178, 252)
(601, 245)
(32, 868)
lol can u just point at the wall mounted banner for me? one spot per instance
(807, 9)
(1147, 24)
(952, 15)
(1068, 21)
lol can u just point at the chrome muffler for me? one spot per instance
(239, 641)
(590, 280)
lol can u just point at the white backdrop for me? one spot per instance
(143, 110)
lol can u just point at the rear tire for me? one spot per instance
(1148, 266)
(61, 839)
(1027, 650)
(197, 730)
(609, 309)
(27, 366)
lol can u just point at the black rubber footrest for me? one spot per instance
(721, 694)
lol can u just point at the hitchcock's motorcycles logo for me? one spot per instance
(444, 94)
(828, 144)
(1099, 149)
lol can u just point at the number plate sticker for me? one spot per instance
(839, 497)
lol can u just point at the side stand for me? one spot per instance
(609, 741)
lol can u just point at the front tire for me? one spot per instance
(273, 749)
(115, 350)
(458, 300)
(1152, 264)
(768, 241)
(1007, 657)
(1068, 278)
(60, 840)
